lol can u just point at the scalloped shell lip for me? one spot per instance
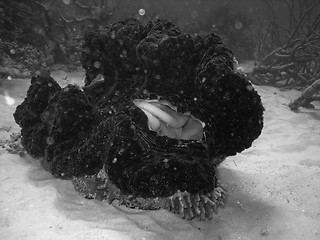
(164, 119)
(201, 206)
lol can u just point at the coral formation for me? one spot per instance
(20, 60)
(159, 111)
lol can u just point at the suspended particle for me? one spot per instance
(158, 77)
(145, 91)
(235, 61)
(9, 78)
(240, 69)
(195, 98)
(142, 12)
(12, 51)
(249, 87)
(50, 84)
(114, 160)
(194, 14)
(50, 140)
(165, 37)
(97, 64)
(66, 1)
(9, 100)
(238, 25)
(121, 151)
(165, 163)
(113, 34)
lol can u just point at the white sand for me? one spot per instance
(273, 187)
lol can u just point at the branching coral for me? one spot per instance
(289, 55)
(132, 134)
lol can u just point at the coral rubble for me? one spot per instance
(159, 111)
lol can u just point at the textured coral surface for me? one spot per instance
(98, 137)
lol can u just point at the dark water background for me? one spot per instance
(37, 34)
(53, 27)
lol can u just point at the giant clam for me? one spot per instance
(159, 111)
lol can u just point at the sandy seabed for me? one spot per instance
(273, 187)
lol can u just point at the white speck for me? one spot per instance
(235, 61)
(195, 99)
(97, 64)
(9, 78)
(194, 14)
(249, 88)
(50, 84)
(142, 12)
(9, 100)
(158, 76)
(165, 37)
(114, 160)
(238, 25)
(121, 151)
(50, 140)
(66, 1)
(12, 51)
